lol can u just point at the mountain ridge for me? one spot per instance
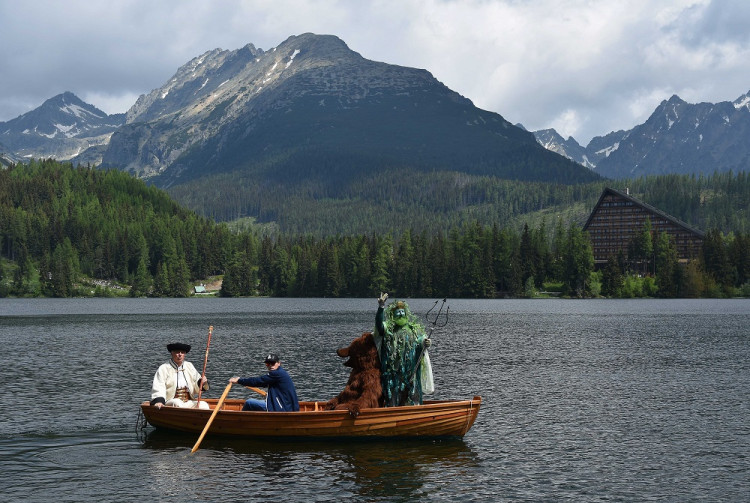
(313, 107)
(62, 127)
(677, 138)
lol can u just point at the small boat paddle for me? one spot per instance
(257, 390)
(213, 415)
(205, 361)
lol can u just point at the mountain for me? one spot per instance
(600, 147)
(678, 138)
(570, 148)
(62, 127)
(684, 138)
(313, 109)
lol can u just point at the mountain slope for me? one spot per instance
(678, 138)
(570, 148)
(684, 138)
(313, 109)
(62, 127)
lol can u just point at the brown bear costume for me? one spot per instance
(363, 390)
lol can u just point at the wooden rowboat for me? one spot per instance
(435, 418)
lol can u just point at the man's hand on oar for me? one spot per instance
(234, 380)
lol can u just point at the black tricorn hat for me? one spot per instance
(178, 346)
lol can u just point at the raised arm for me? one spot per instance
(380, 314)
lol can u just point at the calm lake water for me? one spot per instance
(596, 400)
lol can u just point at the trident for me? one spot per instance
(434, 322)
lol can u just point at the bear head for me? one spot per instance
(361, 353)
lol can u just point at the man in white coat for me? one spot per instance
(177, 382)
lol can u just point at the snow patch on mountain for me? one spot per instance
(291, 58)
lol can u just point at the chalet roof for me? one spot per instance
(647, 207)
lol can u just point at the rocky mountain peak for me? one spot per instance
(678, 137)
(62, 116)
(684, 138)
(310, 108)
(570, 148)
(62, 127)
(230, 101)
(207, 84)
(743, 101)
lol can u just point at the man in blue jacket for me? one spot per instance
(281, 396)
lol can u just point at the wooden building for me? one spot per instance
(617, 218)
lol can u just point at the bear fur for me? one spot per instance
(363, 390)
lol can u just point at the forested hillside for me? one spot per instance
(66, 222)
(67, 231)
(720, 201)
(397, 199)
(381, 202)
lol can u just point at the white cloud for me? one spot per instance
(585, 67)
(109, 103)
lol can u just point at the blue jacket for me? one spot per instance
(282, 395)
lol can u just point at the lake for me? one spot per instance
(583, 400)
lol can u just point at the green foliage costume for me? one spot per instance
(404, 362)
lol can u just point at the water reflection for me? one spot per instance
(581, 401)
(372, 469)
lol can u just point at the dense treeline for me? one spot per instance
(476, 261)
(382, 201)
(473, 261)
(58, 222)
(443, 200)
(63, 230)
(720, 201)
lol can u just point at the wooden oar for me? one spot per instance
(213, 415)
(205, 361)
(257, 390)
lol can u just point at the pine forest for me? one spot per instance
(70, 231)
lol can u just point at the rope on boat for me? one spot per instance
(140, 425)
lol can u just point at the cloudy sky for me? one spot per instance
(584, 67)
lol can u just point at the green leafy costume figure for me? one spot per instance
(406, 372)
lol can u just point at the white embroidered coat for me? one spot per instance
(165, 381)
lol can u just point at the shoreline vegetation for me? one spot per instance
(80, 232)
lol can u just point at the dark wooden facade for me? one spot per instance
(617, 218)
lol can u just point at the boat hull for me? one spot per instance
(436, 418)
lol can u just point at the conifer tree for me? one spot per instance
(179, 278)
(405, 277)
(142, 280)
(579, 262)
(284, 270)
(666, 266)
(329, 273)
(715, 260)
(558, 247)
(542, 254)
(612, 278)
(63, 269)
(381, 265)
(507, 263)
(161, 281)
(229, 283)
(739, 256)
(437, 269)
(528, 259)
